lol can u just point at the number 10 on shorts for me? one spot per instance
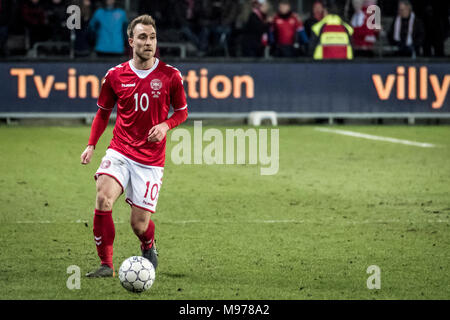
(153, 191)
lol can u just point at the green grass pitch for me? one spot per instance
(337, 205)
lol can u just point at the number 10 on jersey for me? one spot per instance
(142, 102)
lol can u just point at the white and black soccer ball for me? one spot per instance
(137, 274)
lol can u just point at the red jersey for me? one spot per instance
(143, 100)
(286, 28)
(363, 37)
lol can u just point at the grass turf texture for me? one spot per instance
(347, 203)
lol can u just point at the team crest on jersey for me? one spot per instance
(105, 164)
(156, 84)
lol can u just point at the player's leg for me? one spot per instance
(108, 190)
(112, 177)
(142, 225)
(142, 195)
(144, 228)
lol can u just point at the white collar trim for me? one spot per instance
(143, 73)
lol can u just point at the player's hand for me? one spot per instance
(86, 156)
(158, 132)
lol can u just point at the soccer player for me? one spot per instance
(143, 88)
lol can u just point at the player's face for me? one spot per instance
(143, 41)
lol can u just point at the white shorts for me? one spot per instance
(142, 183)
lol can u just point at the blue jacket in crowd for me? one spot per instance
(109, 25)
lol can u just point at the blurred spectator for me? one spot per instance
(163, 12)
(216, 19)
(172, 16)
(109, 25)
(157, 9)
(434, 14)
(363, 38)
(5, 19)
(83, 38)
(35, 21)
(184, 20)
(331, 36)
(317, 14)
(406, 32)
(175, 20)
(203, 14)
(255, 30)
(340, 8)
(287, 31)
(56, 17)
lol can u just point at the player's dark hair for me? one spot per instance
(145, 19)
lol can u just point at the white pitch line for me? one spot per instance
(52, 222)
(319, 221)
(378, 138)
(299, 221)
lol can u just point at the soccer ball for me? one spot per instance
(137, 274)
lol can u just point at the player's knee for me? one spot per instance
(104, 201)
(138, 227)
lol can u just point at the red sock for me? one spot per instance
(148, 236)
(104, 233)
